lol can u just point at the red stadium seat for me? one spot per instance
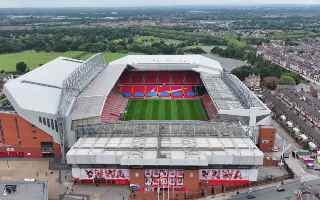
(125, 78)
(208, 105)
(151, 90)
(113, 107)
(192, 78)
(164, 77)
(151, 77)
(136, 77)
(139, 91)
(176, 84)
(177, 91)
(164, 91)
(177, 77)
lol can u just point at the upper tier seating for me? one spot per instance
(151, 77)
(190, 78)
(160, 77)
(177, 77)
(164, 77)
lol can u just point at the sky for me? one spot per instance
(139, 3)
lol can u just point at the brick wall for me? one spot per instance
(266, 138)
(23, 136)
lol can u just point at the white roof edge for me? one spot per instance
(194, 59)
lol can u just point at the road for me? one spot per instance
(271, 193)
(296, 165)
(228, 64)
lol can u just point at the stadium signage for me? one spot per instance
(228, 174)
(163, 178)
(208, 174)
(107, 174)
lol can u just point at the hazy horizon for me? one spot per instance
(143, 3)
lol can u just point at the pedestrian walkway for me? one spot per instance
(299, 171)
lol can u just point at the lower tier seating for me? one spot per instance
(113, 107)
(175, 91)
(208, 105)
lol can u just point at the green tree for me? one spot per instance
(287, 80)
(243, 72)
(21, 67)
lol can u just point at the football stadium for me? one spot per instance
(171, 125)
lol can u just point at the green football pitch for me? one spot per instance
(159, 109)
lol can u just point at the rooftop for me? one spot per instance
(173, 151)
(162, 128)
(25, 190)
(40, 89)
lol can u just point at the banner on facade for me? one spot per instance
(228, 174)
(100, 173)
(163, 178)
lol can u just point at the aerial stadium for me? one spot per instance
(158, 122)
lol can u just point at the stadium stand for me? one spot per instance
(175, 84)
(160, 77)
(164, 77)
(164, 91)
(136, 77)
(177, 78)
(151, 90)
(209, 107)
(192, 78)
(188, 91)
(113, 107)
(151, 77)
(125, 78)
(139, 91)
(177, 91)
(126, 91)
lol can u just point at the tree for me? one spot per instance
(243, 72)
(271, 82)
(287, 80)
(194, 50)
(21, 67)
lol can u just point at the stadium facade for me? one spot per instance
(82, 111)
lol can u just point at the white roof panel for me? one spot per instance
(39, 90)
(176, 151)
(52, 73)
(33, 97)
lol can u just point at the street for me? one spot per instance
(272, 194)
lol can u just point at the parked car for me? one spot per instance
(280, 189)
(250, 196)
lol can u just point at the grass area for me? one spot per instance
(34, 59)
(149, 40)
(234, 42)
(111, 56)
(293, 35)
(158, 109)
